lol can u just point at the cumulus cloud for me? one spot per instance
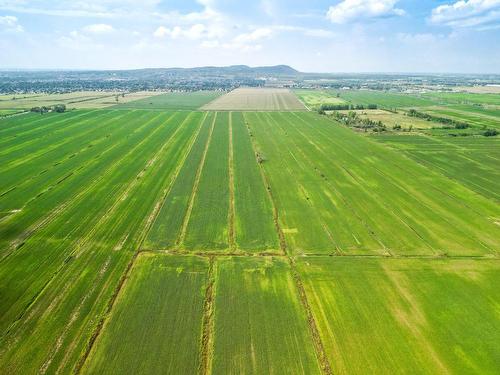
(193, 32)
(467, 13)
(11, 24)
(232, 45)
(352, 10)
(257, 34)
(99, 28)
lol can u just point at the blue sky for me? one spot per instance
(313, 35)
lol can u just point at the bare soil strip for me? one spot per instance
(207, 337)
(232, 244)
(256, 99)
(182, 235)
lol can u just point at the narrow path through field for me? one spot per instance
(207, 337)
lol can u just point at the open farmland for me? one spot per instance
(77, 99)
(256, 99)
(392, 119)
(314, 99)
(406, 315)
(164, 290)
(474, 162)
(172, 100)
(151, 240)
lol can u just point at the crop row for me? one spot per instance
(376, 315)
(360, 197)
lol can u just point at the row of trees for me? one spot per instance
(451, 124)
(352, 119)
(60, 108)
(345, 107)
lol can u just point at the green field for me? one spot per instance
(172, 101)
(154, 240)
(259, 324)
(383, 99)
(313, 99)
(163, 295)
(473, 163)
(406, 316)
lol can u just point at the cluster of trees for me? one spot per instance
(352, 119)
(345, 107)
(490, 133)
(60, 108)
(451, 124)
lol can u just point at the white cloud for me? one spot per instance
(257, 34)
(242, 47)
(99, 28)
(422, 38)
(11, 24)
(307, 31)
(268, 7)
(78, 41)
(193, 32)
(467, 13)
(352, 10)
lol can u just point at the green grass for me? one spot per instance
(260, 326)
(207, 228)
(167, 228)
(313, 99)
(473, 164)
(172, 101)
(156, 322)
(254, 225)
(82, 250)
(464, 98)
(77, 99)
(383, 99)
(362, 198)
(82, 192)
(475, 119)
(406, 316)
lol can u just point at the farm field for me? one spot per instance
(339, 180)
(474, 162)
(477, 118)
(149, 239)
(465, 98)
(405, 315)
(392, 119)
(313, 99)
(159, 313)
(260, 325)
(361, 97)
(78, 99)
(172, 101)
(256, 99)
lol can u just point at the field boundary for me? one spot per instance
(207, 336)
(311, 321)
